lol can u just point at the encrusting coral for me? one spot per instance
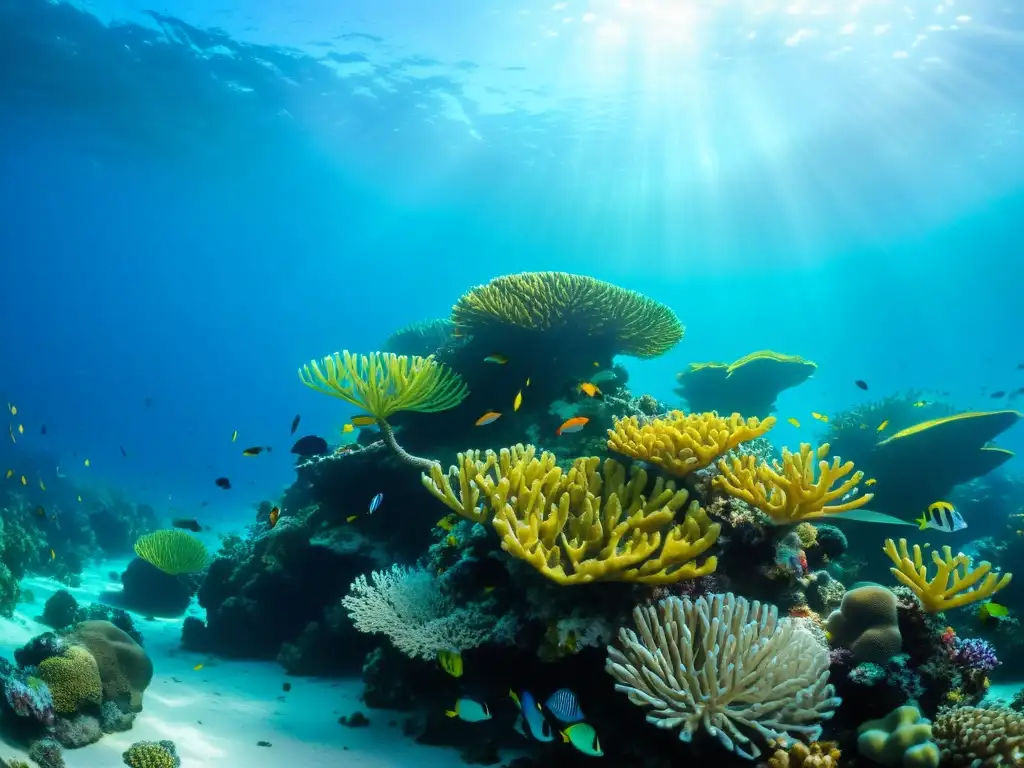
(789, 493)
(73, 678)
(901, 739)
(818, 754)
(969, 584)
(383, 384)
(173, 551)
(585, 524)
(867, 622)
(626, 322)
(726, 665)
(682, 443)
(981, 737)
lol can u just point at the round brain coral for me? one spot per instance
(629, 322)
(867, 623)
(125, 669)
(151, 754)
(73, 678)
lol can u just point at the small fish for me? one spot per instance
(793, 421)
(597, 364)
(351, 518)
(584, 738)
(286, 687)
(820, 417)
(375, 502)
(992, 612)
(364, 420)
(40, 511)
(870, 481)
(187, 524)
(470, 710)
(13, 409)
(10, 473)
(197, 667)
(223, 482)
(87, 463)
(488, 418)
(569, 426)
(527, 381)
(861, 384)
(451, 662)
(347, 429)
(590, 390)
(518, 401)
(21, 429)
(79, 499)
(942, 516)
(497, 359)
(24, 480)
(42, 430)
(295, 423)
(881, 427)
(448, 522)
(532, 715)
(995, 395)
(563, 705)
(255, 450)
(451, 541)
(275, 514)
(10, 431)
(920, 403)
(53, 555)
(42, 486)
(123, 451)
(310, 445)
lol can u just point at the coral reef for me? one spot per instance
(74, 679)
(902, 739)
(972, 736)
(867, 623)
(969, 583)
(152, 754)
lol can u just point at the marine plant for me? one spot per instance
(956, 582)
(788, 492)
(618, 320)
(584, 524)
(729, 666)
(383, 384)
(173, 551)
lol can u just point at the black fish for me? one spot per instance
(223, 482)
(188, 523)
(286, 687)
(123, 451)
(295, 422)
(997, 395)
(256, 450)
(310, 445)
(42, 430)
(861, 383)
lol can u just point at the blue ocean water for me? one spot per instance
(197, 200)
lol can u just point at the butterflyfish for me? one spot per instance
(197, 667)
(920, 404)
(21, 429)
(584, 738)
(53, 555)
(942, 516)
(870, 481)
(24, 480)
(451, 662)
(531, 718)
(351, 518)
(87, 463)
(348, 428)
(488, 418)
(992, 612)
(13, 409)
(575, 424)
(470, 710)
(563, 705)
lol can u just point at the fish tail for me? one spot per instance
(565, 737)
(922, 522)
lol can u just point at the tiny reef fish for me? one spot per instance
(451, 662)
(234, 436)
(820, 417)
(223, 482)
(584, 738)
(496, 359)
(275, 514)
(518, 401)
(295, 423)
(942, 516)
(362, 420)
(881, 427)
(470, 710)
(375, 502)
(348, 428)
(531, 717)
(447, 522)
(575, 424)
(590, 389)
(488, 418)
(861, 384)
(255, 450)
(187, 524)
(793, 421)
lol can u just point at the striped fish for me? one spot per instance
(942, 516)
(563, 705)
(375, 502)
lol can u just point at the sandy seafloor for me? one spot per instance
(216, 715)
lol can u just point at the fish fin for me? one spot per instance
(922, 522)
(451, 713)
(565, 737)
(512, 695)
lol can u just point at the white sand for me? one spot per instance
(216, 715)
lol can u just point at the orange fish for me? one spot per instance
(575, 424)
(591, 390)
(275, 513)
(488, 418)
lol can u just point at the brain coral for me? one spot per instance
(125, 669)
(74, 679)
(867, 623)
(151, 754)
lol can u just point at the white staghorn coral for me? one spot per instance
(730, 666)
(408, 606)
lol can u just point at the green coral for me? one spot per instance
(173, 551)
(74, 679)
(902, 739)
(151, 754)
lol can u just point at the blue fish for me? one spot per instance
(530, 713)
(563, 705)
(375, 502)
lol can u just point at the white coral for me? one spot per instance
(408, 606)
(730, 666)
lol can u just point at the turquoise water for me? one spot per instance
(199, 200)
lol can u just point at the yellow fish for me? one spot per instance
(793, 421)
(820, 417)
(871, 481)
(882, 426)
(363, 420)
(347, 428)
(13, 409)
(447, 522)
(88, 463)
(527, 382)
(590, 390)
(518, 401)
(920, 404)
(197, 667)
(21, 429)
(350, 518)
(53, 555)
(10, 473)
(451, 662)
(42, 485)
(24, 480)
(234, 436)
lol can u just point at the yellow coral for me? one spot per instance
(789, 493)
(173, 551)
(73, 679)
(584, 524)
(151, 754)
(680, 443)
(818, 754)
(628, 322)
(808, 535)
(969, 584)
(383, 384)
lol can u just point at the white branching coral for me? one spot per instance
(408, 606)
(728, 665)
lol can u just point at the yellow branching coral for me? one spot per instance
(584, 524)
(682, 443)
(172, 551)
(789, 493)
(968, 585)
(630, 322)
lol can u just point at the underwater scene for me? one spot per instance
(519, 383)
